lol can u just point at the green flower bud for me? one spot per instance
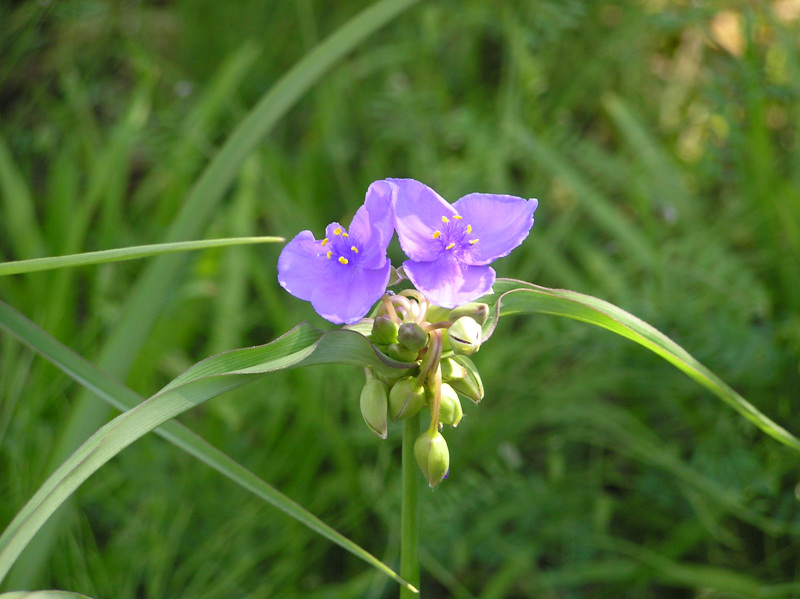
(450, 411)
(470, 385)
(476, 311)
(465, 336)
(398, 352)
(406, 398)
(432, 455)
(452, 370)
(437, 314)
(411, 336)
(375, 405)
(384, 331)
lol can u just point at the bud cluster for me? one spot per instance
(437, 343)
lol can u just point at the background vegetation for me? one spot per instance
(662, 141)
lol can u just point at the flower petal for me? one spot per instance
(373, 225)
(300, 266)
(345, 295)
(449, 283)
(499, 223)
(333, 230)
(418, 210)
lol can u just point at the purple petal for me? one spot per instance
(373, 225)
(330, 230)
(345, 295)
(300, 266)
(449, 283)
(499, 223)
(418, 212)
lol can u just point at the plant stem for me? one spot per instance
(409, 512)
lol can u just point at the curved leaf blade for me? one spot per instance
(118, 395)
(303, 345)
(42, 595)
(128, 253)
(519, 297)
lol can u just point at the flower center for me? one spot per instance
(454, 234)
(339, 248)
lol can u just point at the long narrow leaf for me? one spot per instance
(128, 253)
(153, 286)
(42, 595)
(518, 297)
(18, 208)
(303, 344)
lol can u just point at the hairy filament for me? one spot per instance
(390, 308)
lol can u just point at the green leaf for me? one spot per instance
(24, 234)
(518, 297)
(120, 254)
(154, 285)
(302, 346)
(42, 595)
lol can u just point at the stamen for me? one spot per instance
(457, 217)
(437, 234)
(343, 260)
(324, 241)
(345, 234)
(469, 229)
(473, 241)
(354, 248)
(450, 246)
(445, 219)
(337, 231)
(329, 254)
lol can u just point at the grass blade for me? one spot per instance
(302, 342)
(42, 595)
(120, 254)
(518, 297)
(154, 285)
(19, 211)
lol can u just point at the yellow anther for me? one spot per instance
(469, 229)
(437, 234)
(450, 246)
(354, 248)
(457, 217)
(473, 241)
(324, 241)
(337, 231)
(345, 234)
(329, 254)
(445, 219)
(343, 260)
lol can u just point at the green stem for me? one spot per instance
(409, 512)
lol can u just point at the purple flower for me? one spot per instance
(345, 273)
(451, 246)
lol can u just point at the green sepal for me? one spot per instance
(432, 455)
(477, 311)
(452, 370)
(465, 336)
(412, 337)
(450, 411)
(375, 406)
(401, 353)
(437, 314)
(470, 385)
(406, 398)
(384, 331)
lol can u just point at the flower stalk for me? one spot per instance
(409, 510)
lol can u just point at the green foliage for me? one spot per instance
(668, 177)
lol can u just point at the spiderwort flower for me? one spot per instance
(346, 272)
(449, 246)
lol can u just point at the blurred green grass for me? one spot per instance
(662, 142)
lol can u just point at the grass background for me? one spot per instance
(662, 142)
